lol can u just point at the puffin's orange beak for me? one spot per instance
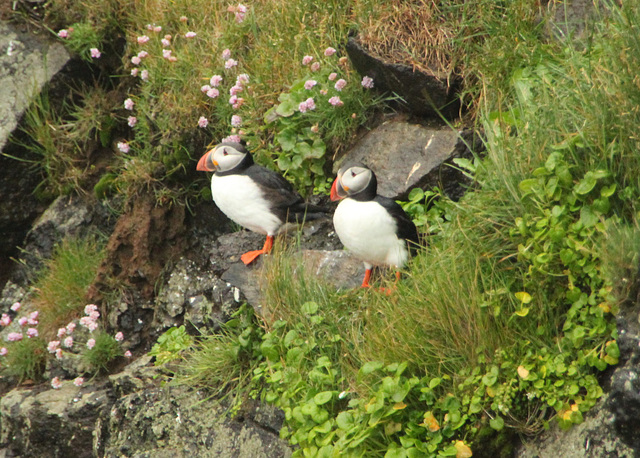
(206, 162)
(337, 191)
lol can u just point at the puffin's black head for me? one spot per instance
(225, 157)
(357, 182)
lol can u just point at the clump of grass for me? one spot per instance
(61, 288)
(26, 359)
(102, 350)
(223, 362)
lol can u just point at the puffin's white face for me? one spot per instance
(355, 179)
(221, 158)
(226, 157)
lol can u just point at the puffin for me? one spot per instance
(374, 228)
(253, 196)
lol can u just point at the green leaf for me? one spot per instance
(323, 397)
(497, 423)
(370, 366)
(524, 311)
(269, 351)
(586, 184)
(310, 308)
(588, 217)
(523, 297)
(344, 420)
(287, 138)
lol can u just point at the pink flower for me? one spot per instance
(143, 54)
(230, 63)
(329, 51)
(123, 146)
(142, 39)
(232, 139)
(335, 101)
(236, 121)
(134, 71)
(23, 321)
(34, 315)
(63, 33)
(53, 346)
(241, 8)
(71, 327)
(203, 122)
(58, 353)
(144, 75)
(78, 381)
(132, 121)
(128, 105)
(90, 308)
(56, 383)
(215, 80)
(166, 53)
(119, 336)
(127, 354)
(333, 76)
(340, 84)
(233, 99)
(16, 306)
(167, 37)
(91, 343)
(32, 332)
(135, 60)
(165, 42)
(235, 89)
(190, 35)
(315, 66)
(5, 320)
(213, 93)
(309, 84)
(302, 107)
(95, 53)
(242, 78)
(68, 342)
(94, 314)
(3, 351)
(205, 88)
(306, 60)
(14, 336)
(62, 332)
(367, 82)
(88, 323)
(226, 54)
(157, 28)
(311, 104)
(149, 27)
(184, 18)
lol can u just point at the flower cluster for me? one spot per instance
(240, 12)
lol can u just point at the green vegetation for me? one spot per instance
(25, 360)
(62, 286)
(170, 345)
(503, 323)
(102, 350)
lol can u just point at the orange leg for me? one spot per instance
(367, 277)
(251, 256)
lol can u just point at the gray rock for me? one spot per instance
(423, 94)
(195, 297)
(405, 156)
(177, 421)
(27, 62)
(594, 438)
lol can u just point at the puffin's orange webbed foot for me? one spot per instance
(251, 256)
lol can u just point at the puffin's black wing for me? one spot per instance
(285, 201)
(406, 229)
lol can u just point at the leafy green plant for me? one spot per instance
(170, 345)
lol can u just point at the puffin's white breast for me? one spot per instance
(369, 232)
(241, 199)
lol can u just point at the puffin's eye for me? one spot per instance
(224, 152)
(353, 174)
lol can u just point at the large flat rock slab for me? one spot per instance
(27, 63)
(405, 156)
